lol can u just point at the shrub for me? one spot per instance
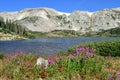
(106, 48)
(1, 55)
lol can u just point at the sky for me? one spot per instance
(60, 5)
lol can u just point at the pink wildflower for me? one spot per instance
(28, 64)
(77, 51)
(19, 62)
(82, 49)
(111, 78)
(14, 55)
(119, 74)
(51, 61)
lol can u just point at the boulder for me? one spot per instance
(42, 62)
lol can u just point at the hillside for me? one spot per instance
(110, 32)
(46, 22)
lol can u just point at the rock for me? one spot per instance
(81, 20)
(42, 62)
(5, 37)
(47, 20)
(105, 19)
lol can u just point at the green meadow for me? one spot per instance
(88, 61)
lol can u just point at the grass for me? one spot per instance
(110, 32)
(55, 33)
(81, 64)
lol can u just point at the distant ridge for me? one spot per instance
(47, 19)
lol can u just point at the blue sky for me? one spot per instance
(60, 5)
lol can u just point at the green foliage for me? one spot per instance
(59, 17)
(67, 67)
(32, 19)
(62, 52)
(1, 55)
(110, 32)
(75, 63)
(106, 48)
(55, 33)
(71, 50)
(35, 34)
(12, 28)
(66, 33)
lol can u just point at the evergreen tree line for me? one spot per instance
(12, 27)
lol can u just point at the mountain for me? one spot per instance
(47, 20)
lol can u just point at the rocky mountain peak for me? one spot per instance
(47, 19)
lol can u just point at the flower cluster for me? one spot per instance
(14, 55)
(119, 74)
(84, 50)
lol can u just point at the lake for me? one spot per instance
(46, 46)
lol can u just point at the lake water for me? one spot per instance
(45, 46)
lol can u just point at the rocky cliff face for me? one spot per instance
(106, 19)
(46, 19)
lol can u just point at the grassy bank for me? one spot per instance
(55, 33)
(80, 63)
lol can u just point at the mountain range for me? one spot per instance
(47, 19)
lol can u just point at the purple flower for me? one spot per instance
(94, 50)
(82, 49)
(87, 49)
(88, 54)
(110, 78)
(77, 51)
(119, 73)
(13, 56)
(51, 61)
(16, 53)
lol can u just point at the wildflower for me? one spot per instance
(119, 74)
(87, 49)
(16, 54)
(89, 54)
(94, 50)
(77, 51)
(28, 64)
(19, 62)
(81, 49)
(74, 54)
(51, 61)
(110, 78)
(13, 56)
